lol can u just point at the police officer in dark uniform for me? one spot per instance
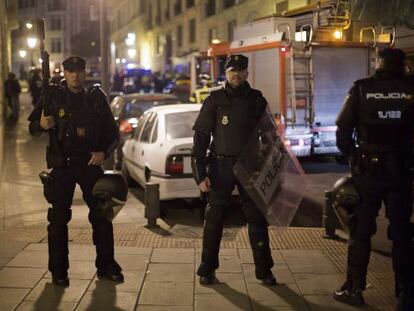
(376, 130)
(82, 134)
(229, 115)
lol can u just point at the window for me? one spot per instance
(158, 44)
(210, 8)
(146, 132)
(180, 35)
(155, 132)
(167, 11)
(140, 125)
(180, 125)
(142, 7)
(56, 5)
(282, 6)
(189, 4)
(212, 34)
(22, 4)
(230, 30)
(229, 3)
(192, 30)
(56, 45)
(158, 17)
(177, 7)
(56, 23)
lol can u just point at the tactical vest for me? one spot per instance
(386, 114)
(79, 126)
(236, 119)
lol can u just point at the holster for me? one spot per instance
(48, 186)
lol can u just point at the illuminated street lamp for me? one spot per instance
(29, 25)
(22, 53)
(31, 42)
(132, 53)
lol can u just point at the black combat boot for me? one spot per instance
(349, 295)
(269, 280)
(112, 272)
(208, 279)
(60, 278)
(405, 297)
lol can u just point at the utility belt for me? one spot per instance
(66, 161)
(224, 158)
(369, 158)
(77, 160)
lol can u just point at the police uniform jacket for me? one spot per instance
(83, 123)
(379, 111)
(229, 116)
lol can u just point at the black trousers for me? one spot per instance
(395, 191)
(223, 182)
(60, 194)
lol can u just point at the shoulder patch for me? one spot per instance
(216, 88)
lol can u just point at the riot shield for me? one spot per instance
(270, 174)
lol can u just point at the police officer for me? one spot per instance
(376, 129)
(201, 93)
(229, 115)
(82, 134)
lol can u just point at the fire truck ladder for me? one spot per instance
(299, 82)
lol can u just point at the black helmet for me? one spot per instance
(112, 191)
(393, 59)
(345, 197)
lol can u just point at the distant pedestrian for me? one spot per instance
(11, 92)
(118, 82)
(35, 87)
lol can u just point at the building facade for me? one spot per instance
(64, 21)
(168, 32)
(9, 22)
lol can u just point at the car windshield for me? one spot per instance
(135, 109)
(180, 125)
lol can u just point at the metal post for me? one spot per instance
(152, 204)
(104, 47)
(328, 217)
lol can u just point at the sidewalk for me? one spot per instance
(160, 264)
(163, 277)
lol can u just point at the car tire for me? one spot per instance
(340, 159)
(117, 159)
(147, 174)
(124, 171)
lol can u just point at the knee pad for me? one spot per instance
(400, 233)
(361, 231)
(215, 212)
(59, 216)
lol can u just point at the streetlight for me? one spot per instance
(31, 42)
(22, 53)
(132, 53)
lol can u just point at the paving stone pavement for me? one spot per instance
(158, 279)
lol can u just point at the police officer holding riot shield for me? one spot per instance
(229, 115)
(376, 129)
(82, 134)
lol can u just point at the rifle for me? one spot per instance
(44, 55)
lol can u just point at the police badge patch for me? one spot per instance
(61, 113)
(81, 132)
(225, 120)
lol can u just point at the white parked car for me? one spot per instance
(160, 150)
